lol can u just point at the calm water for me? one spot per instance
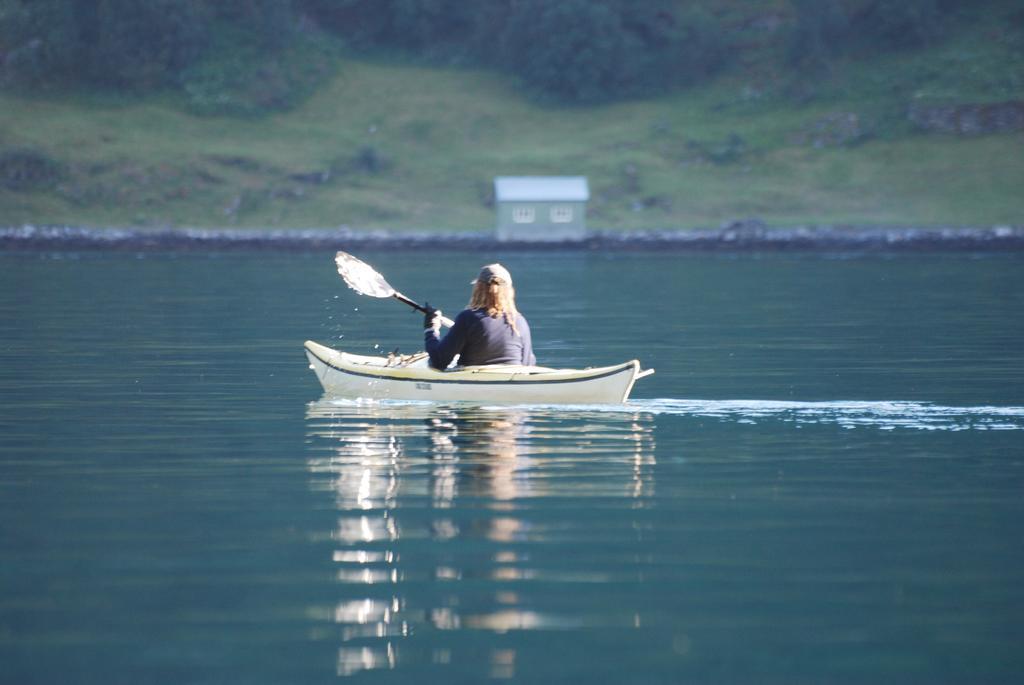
(821, 484)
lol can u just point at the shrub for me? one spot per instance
(239, 78)
(819, 33)
(119, 43)
(899, 23)
(27, 169)
(586, 50)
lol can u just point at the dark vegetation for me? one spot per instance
(251, 56)
(25, 169)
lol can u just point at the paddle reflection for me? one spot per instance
(432, 496)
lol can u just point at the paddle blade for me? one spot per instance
(361, 277)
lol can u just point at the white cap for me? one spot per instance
(493, 273)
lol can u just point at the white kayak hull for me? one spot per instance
(411, 378)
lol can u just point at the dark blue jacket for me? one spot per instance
(480, 339)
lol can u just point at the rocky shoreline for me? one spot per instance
(749, 235)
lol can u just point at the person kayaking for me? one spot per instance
(489, 331)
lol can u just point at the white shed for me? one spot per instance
(541, 208)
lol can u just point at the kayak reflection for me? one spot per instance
(484, 456)
(441, 517)
(486, 445)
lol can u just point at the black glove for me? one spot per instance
(428, 316)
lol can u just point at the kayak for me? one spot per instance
(410, 377)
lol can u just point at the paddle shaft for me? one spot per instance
(445, 321)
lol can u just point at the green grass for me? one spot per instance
(437, 137)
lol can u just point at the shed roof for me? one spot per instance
(541, 188)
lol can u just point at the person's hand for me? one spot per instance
(431, 318)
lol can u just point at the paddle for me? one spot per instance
(361, 277)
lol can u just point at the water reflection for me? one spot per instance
(438, 517)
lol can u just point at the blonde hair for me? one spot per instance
(495, 297)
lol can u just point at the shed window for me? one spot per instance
(523, 215)
(561, 214)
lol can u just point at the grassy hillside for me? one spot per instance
(387, 145)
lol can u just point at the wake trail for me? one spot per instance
(883, 415)
(886, 415)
